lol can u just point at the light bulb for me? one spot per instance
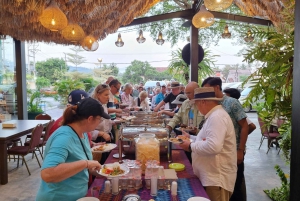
(73, 32)
(91, 41)
(218, 1)
(53, 21)
(202, 19)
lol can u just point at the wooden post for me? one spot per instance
(194, 54)
(295, 150)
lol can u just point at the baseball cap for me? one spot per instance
(76, 95)
(91, 107)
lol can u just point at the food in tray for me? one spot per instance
(128, 118)
(183, 137)
(175, 140)
(100, 148)
(112, 171)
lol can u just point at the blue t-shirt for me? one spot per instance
(64, 147)
(236, 113)
(159, 98)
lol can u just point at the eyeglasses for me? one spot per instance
(117, 88)
(103, 86)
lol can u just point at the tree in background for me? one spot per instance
(42, 82)
(75, 58)
(113, 67)
(180, 70)
(48, 68)
(140, 71)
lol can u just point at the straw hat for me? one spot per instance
(205, 93)
(174, 84)
(179, 99)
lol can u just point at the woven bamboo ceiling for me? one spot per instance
(20, 18)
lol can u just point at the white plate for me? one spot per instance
(198, 199)
(184, 129)
(117, 121)
(88, 199)
(107, 147)
(122, 166)
(117, 155)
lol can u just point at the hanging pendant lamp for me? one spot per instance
(226, 33)
(217, 5)
(119, 42)
(53, 18)
(203, 18)
(89, 43)
(73, 32)
(160, 40)
(141, 38)
(249, 37)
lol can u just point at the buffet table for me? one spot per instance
(188, 184)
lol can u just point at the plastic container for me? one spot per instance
(147, 148)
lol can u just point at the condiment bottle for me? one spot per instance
(107, 186)
(174, 188)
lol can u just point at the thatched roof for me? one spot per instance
(267, 9)
(20, 18)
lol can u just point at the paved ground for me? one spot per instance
(259, 170)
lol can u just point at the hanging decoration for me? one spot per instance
(226, 33)
(119, 42)
(141, 38)
(53, 18)
(249, 37)
(73, 32)
(203, 18)
(89, 43)
(217, 5)
(160, 40)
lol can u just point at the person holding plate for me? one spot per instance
(68, 157)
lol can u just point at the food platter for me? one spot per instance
(119, 120)
(88, 199)
(184, 129)
(124, 169)
(104, 148)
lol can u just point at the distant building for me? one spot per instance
(161, 69)
(234, 75)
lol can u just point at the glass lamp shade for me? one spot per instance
(249, 37)
(226, 33)
(89, 43)
(141, 38)
(119, 42)
(160, 40)
(53, 18)
(217, 5)
(203, 18)
(73, 33)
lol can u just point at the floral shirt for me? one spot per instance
(236, 113)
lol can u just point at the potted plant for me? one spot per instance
(34, 104)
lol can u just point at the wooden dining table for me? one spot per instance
(22, 128)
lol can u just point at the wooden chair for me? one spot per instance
(44, 138)
(24, 150)
(39, 117)
(274, 136)
(279, 124)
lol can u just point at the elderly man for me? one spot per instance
(238, 117)
(115, 86)
(213, 149)
(175, 86)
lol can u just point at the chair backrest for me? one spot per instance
(36, 136)
(263, 127)
(43, 117)
(47, 130)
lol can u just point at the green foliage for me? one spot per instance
(180, 70)
(42, 82)
(48, 68)
(281, 193)
(243, 78)
(34, 101)
(113, 67)
(140, 71)
(64, 87)
(75, 58)
(89, 82)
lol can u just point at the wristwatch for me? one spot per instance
(190, 148)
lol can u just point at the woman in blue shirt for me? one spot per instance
(68, 157)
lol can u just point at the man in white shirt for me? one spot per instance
(214, 148)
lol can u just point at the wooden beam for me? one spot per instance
(295, 137)
(189, 13)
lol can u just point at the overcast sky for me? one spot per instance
(156, 55)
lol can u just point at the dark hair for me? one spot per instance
(212, 81)
(234, 93)
(114, 82)
(70, 115)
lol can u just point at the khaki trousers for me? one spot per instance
(216, 193)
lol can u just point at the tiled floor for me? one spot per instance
(259, 171)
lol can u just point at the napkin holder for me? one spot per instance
(8, 125)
